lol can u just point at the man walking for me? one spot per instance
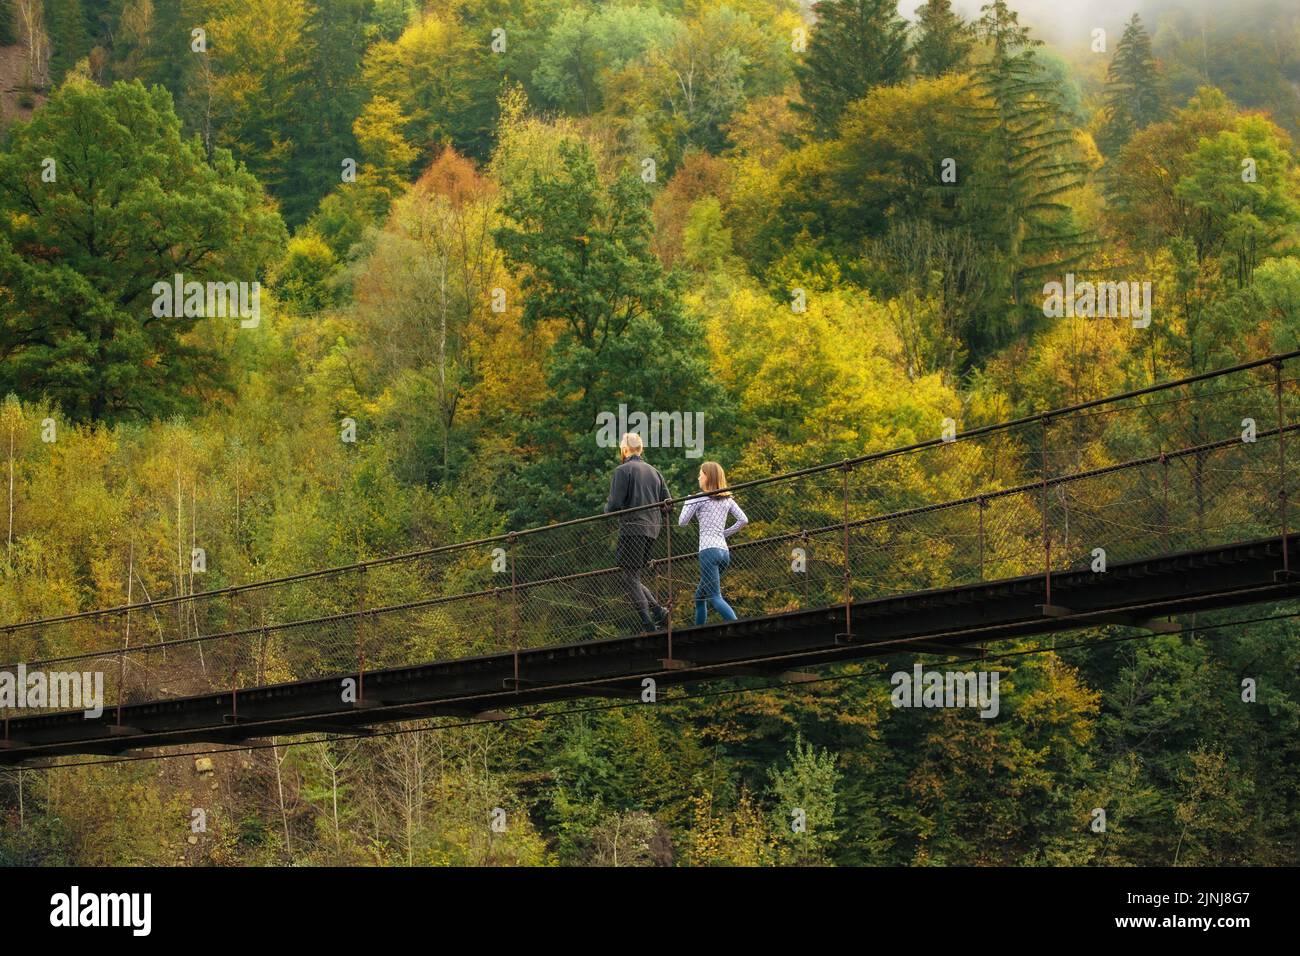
(638, 483)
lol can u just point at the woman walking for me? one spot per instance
(712, 512)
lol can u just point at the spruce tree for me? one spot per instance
(65, 22)
(1026, 162)
(8, 25)
(855, 46)
(335, 34)
(943, 41)
(1134, 96)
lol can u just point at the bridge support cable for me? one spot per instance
(1126, 510)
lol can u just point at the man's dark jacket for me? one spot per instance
(637, 483)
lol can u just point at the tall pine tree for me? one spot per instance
(1134, 95)
(943, 41)
(8, 23)
(855, 46)
(65, 22)
(335, 32)
(1027, 161)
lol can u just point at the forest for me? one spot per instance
(476, 226)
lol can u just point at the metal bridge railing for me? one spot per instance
(1150, 472)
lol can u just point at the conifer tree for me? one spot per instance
(8, 28)
(65, 22)
(1027, 162)
(944, 40)
(1134, 93)
(856, 45)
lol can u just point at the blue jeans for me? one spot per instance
(713, 561)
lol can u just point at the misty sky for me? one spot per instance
(1072, 21)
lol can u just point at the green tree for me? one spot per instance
(803, 817)
(1276, 286)
(885, 165)
(855, 46)
(1134, 92)
(389, 18)
(8, 28)
(943, 41)
(585, 45)
(65, 21)
(691, 86)
(1029, 160)
(706, 242)
(1144, 209)
(335, 37)
(1242, 186)
(386, 159)
(583, 247)
(156, 35)
(132, 204)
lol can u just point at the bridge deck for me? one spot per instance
(936, 621)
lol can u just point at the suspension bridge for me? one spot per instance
(1137, 509)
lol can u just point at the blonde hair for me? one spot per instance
(631, 444)
(715, 480)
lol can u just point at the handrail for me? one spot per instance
(504, 537)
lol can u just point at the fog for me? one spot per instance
(1070, 22)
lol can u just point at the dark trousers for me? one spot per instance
(634, 552)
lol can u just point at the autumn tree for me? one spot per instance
(252, 82)
(425, 301)
(886, 164)
(1212, 190)
(691, 86)
(444, 80)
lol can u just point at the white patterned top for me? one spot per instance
(712, 513)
